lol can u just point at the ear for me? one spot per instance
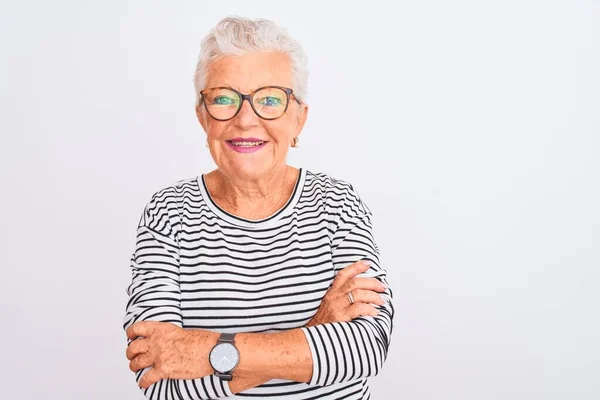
(201, 115)
(301, 118)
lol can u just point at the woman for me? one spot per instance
(257, 279)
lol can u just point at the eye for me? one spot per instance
(224, 101)
(269, 101)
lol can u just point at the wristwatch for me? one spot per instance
(224, 357)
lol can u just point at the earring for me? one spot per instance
(295, 142)
(206, 142)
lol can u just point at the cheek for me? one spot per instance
(216, 129)
(281, 132)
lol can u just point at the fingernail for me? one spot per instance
(367, 262)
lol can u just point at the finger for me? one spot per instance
(365, 283)
(136, 347)
(150, 378)
(350, 272)
(368, 296)
(142, 361)
(361, 310)
(142, 328)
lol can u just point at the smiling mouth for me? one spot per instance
(245, 143)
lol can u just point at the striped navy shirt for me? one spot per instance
(198, 266)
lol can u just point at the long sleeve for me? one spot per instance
(154, 293)
(346, 351)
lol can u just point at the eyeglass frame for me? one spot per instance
(289, 93)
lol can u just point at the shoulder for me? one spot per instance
(328, 182)
(162, 210)
(337, 192)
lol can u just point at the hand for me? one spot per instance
(171, 351)
(336, 307)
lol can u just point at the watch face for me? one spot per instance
(224, 357)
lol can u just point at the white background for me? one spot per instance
(471, 129)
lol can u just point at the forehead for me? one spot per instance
(250, 71)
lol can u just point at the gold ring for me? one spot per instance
(350, 298)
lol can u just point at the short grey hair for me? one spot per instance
(239, 36)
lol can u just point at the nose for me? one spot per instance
(246, 118)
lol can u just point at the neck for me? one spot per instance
(252, 198)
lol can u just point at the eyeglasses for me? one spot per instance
(268, 102)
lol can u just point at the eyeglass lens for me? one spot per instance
(222, 103)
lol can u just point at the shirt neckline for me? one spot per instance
(253, 223)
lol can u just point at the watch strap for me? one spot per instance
(226, 337)
(225, 377)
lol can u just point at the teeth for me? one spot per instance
(246, 144)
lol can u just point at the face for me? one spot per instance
(247, 73)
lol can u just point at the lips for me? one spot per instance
(246, 142)
(246, 145)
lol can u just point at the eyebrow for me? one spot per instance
(259, 86)
(223, 85)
